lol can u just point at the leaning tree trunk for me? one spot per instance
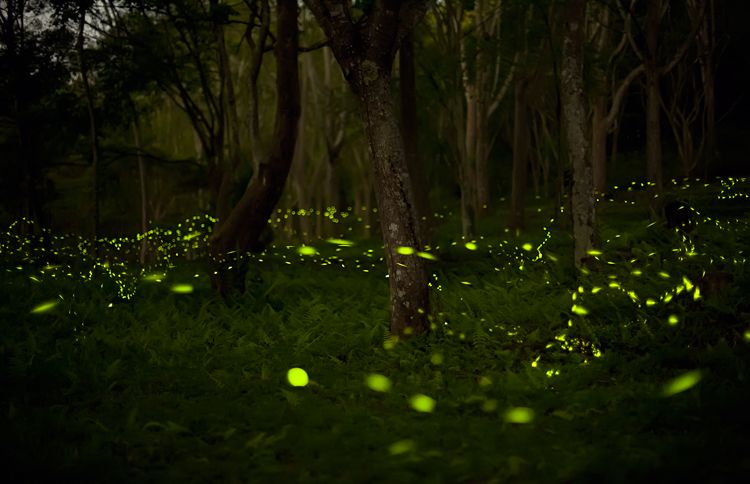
(574, 122)
(243, 227)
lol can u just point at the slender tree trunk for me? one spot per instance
(397, 210)
(519, 176)
(245, 223)
(574, 124)
(93, 129)
(599, 130)
(144, 193)
(653, 97)
(410, 134)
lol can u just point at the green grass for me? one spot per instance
(125, 380)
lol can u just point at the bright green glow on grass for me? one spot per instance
(683, 382)
(650, 302)
(697, 293)
(307, 250)
(378, 383)
(471, 245)
(527, 247)
(436, 359)
(579, 310)
(405, 250)
(44, 307)
(422, 403)
(426, 255)
(191, 236)
(688, 284)
(342, 242)
(673, 319)
(182, 288)
(401, 447)
(154, 277)
(519, 415)
(297, 377)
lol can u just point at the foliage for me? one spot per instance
(161, 383)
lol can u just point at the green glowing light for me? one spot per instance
(306, 250)
(297, 377)
(422, 403)
(688, 284)
(154, 277)
(426, 255)
(378, 383)
(650, 302)
(471, 245)
(44, 307)
(747, 335)
(527, 247)
(341, 242)
(436, 359)
(519, 415)
(673, 319)
(182, 288)
(686, 381)
(579, 310)
(402, 447)
(594, 252)
(405, 250)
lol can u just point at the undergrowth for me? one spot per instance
(124, 377)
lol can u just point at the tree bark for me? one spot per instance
(520, 157)
(144, 192)
(365, 52)
(93, 128)
(243, 228)
(410, 133)
(574, 123)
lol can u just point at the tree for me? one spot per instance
(365, 49)
(243, 227)
(574, 125)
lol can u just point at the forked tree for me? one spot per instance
(365, 49)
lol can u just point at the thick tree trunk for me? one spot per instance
(520, 158)
(243, 227)
(574, 123)
(365, 52)
(397, 210)
(410, 134)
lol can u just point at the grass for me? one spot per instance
(123, 379)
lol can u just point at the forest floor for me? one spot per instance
(534, 372)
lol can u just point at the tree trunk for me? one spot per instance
(144, 193)
(520, 158)
(93, 129)
(410, 134)
(599, 130)
(396, 208)
(574, 123)
(243, 228)
(653, 99)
